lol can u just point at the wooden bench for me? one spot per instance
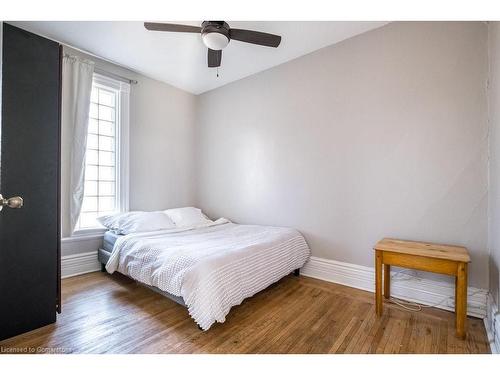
(444, 259)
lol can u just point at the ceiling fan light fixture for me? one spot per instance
(215, 40)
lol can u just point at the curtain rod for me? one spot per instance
(102, 71)
(115, 76)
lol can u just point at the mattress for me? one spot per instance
(109, 240)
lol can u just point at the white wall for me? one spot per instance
(384, 134)
(494, 122)
(161, 146)
(161, 143)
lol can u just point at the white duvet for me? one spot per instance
(213, 267)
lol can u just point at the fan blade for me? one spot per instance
(255, 37)
(214, 58)
(153, 26)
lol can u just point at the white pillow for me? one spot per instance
(187, 217)
(136, 221)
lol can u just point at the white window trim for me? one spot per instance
(122, 152)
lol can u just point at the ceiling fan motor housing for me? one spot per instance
(215, 34)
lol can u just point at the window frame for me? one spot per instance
(122, 148)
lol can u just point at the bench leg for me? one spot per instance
(378, 283)
(387, 281)
(461, 299)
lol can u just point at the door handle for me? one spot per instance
(14, 202)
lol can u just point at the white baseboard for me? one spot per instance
(492, 324)
(408, 287)
(72, 265)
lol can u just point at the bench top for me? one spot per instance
(424, 249)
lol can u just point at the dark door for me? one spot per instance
(29, 168)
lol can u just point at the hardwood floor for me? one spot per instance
(111, 314)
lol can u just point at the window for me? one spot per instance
(106, 163)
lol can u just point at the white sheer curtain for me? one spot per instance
(76, 89)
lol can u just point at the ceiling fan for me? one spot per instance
(216, 35)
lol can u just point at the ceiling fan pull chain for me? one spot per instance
(217, 72)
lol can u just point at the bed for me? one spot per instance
(207, 269)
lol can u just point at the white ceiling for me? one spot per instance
(180, 59)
